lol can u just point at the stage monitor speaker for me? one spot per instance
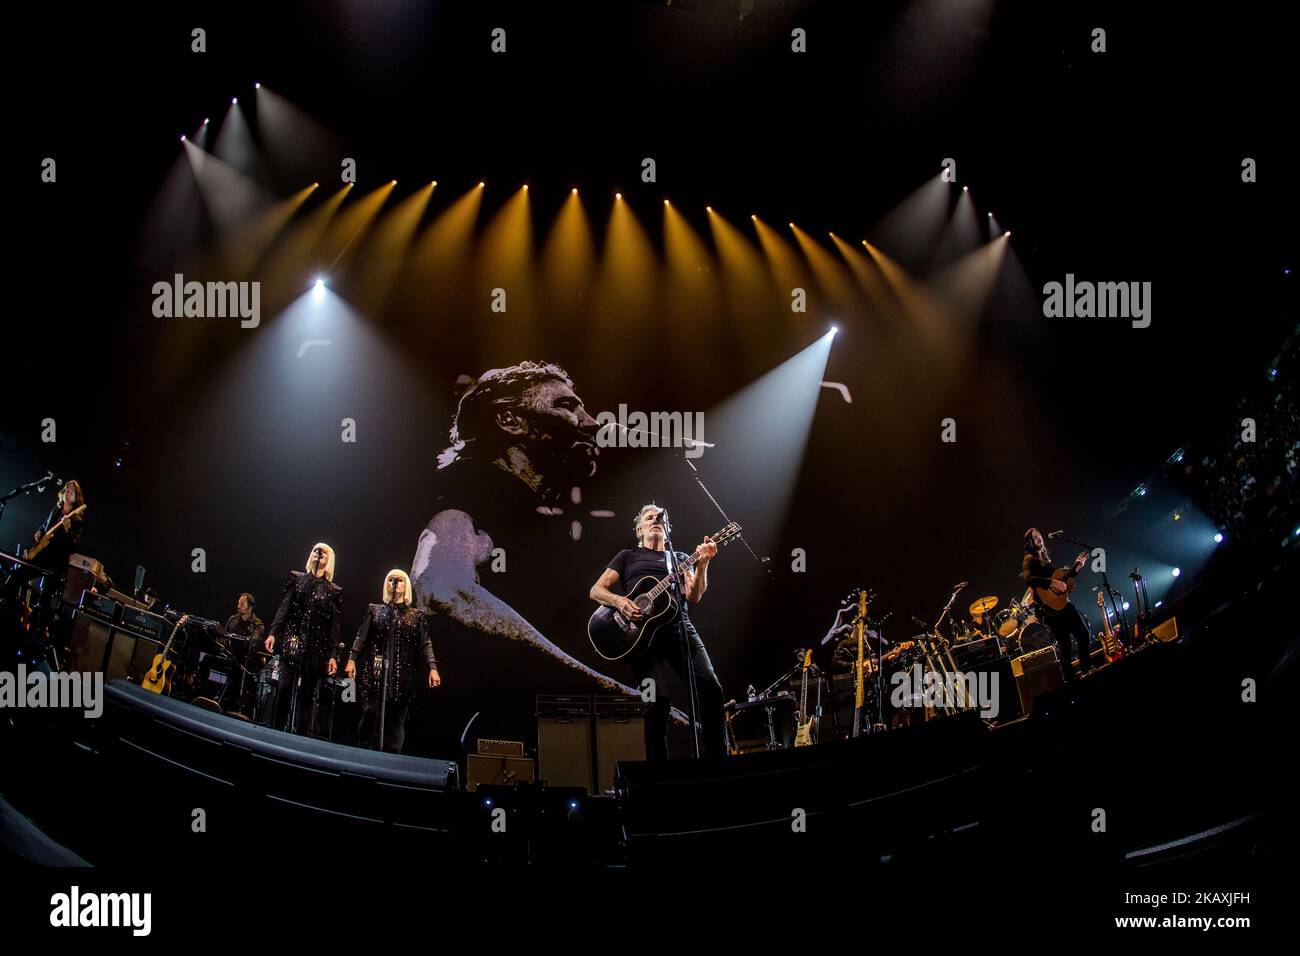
(1166, 630)
(564, 752)
(496, 770)
(617, 738)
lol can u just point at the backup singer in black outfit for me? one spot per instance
(629, 566)
(1036, 569)
(306, 628)
(393, 646)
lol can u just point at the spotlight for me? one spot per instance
(990, 215)
(665, 202)
(525, 187)
(433, 183)
(1177, 516)
(964, 188)
(318, 289)
(205, 121)
(618, 195)
(481, 185)
(1218, 537)
(257, 86)
(790, 224)
(394, 182)
(233, 100)
(315, 185)
(1176, 572)
(1126, 605)
(1008, 233)
(834, 329)
(575, 190)
(182, 137)
(1158, 603)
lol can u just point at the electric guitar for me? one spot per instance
(804, 722)
(1056, 601)
(46, 538)
(1109, 645)
(615, 636)
(158, 678)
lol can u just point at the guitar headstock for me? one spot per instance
(726, 535)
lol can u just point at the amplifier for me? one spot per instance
(1035, 661)
(500, 748)
(972, 654)
(95, 569)
(563, 705)
(1166, 630)
(1036, 673)
(619, 706)
(99, 606)
(494, 770)
(145, 623)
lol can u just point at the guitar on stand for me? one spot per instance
(803, 734)
(1110, 646)
(158, 678)
(860, 665)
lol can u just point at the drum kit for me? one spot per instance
(1016, 624)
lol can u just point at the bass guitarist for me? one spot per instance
(1037, 571)
(631, 565)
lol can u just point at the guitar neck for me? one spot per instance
(663, 585)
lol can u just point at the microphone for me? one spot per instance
(964, 584)
(1056, 534)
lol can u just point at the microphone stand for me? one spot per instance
(385, 669)
(688, 658)
(37, 486)
(946, 652)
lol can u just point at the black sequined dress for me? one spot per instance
(412, 652)
(312, 612)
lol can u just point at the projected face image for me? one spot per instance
(558, 421)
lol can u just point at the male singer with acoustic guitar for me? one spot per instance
(653, 660)
(1067, 622)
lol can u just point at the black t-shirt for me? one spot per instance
(632, 564)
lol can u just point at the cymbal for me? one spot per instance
(984, 605)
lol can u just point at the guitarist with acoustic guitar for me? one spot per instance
(634, 570)
(1051, 587)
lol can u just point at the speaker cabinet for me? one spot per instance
(88, 643)
(564, 756)
(617, 738)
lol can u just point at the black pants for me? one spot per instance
(653, 662)
(1066, 624)
(395, 718)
